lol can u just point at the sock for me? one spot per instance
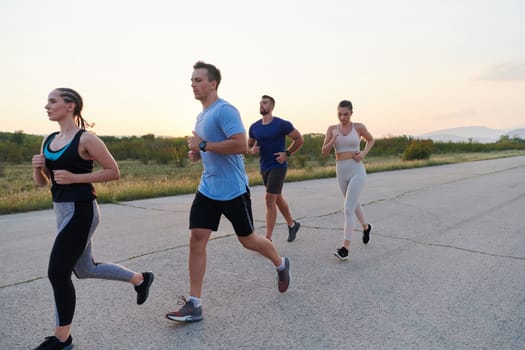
(282, 266)
(292, 225)
(138, 284)
(63, 341)
(195, 301)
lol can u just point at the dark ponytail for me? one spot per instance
(70, 95)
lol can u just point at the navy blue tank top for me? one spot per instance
(67, 158)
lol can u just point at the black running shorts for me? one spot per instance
(273, 180)
(206, 213)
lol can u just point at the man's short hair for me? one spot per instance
(270, 98)
(214, 74)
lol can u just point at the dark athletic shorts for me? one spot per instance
(273, 180)
(206, 213)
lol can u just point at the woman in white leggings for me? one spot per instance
(345, 138)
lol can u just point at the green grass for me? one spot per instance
(139, 181)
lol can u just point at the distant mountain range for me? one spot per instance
(479, 134)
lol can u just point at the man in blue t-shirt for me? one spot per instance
(267, 137)
(219, 140)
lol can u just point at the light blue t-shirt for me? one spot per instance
(223, 177)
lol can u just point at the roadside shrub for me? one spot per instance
(181, 156)
(298, 161)
(418, 149)
(322, 160)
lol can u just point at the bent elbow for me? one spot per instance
(115, 174)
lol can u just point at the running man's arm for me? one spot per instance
(297, 142)
(252, 146)
(235, 144)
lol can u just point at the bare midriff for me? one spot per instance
(345, 155)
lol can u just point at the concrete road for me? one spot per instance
(445, 269)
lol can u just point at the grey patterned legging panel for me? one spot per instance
(351, 176)
(76, 223)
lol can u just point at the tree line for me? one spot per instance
(18, 147)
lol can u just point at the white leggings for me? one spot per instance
(351, 176)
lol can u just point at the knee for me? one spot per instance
(81, 273)
(58, 276)
(85, 271)
(280, 200)
(271, 199)
(246, 244)
(250, 242)
(197, 246)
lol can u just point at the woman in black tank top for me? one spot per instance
(66, 161)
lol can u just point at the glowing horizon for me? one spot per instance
(409, 68)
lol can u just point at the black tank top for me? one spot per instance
(67, 158)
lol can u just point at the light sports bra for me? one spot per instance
(347, 143)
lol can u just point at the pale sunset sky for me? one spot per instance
(408, 66)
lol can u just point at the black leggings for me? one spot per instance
(69, 245)
(71, 252)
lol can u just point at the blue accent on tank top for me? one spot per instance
(54, 155)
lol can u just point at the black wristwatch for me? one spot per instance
(288, 154)
(202, 145)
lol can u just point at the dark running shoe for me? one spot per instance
(52, 343)
(187, 313)
(284, 276)
(292, 231)
(143, 289)
(341, 253)
(366, 234)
